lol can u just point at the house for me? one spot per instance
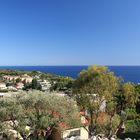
(19, 85)
(3, 86)
(5, 77)
(11, 88)
(1, 95)
(27, 79)
(61, 94)
(45, 85)
(80, 132)
(10, 78)
(36, 77)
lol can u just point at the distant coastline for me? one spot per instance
(129, 73)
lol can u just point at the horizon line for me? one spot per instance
(59, 65)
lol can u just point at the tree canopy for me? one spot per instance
(39, 111)
(97, 90)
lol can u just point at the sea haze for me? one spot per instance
(128, 73)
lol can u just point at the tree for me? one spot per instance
(43, 113)
(94, 90)
(127, 97)
(63, 84)
(33, 85)
(11, 115)
(18, 80)
(137, 88)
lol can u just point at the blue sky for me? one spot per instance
(69, 32)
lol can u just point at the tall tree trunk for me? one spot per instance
(55, 134)
(119, 129)
(93, 124)
(36, 135)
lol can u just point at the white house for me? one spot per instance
(11, 88)
(3, 86)
(80, 132)
(45, 85)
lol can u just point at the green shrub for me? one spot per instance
(133, 125)
(132, 129)
(131, 135)
(4, 90)
(131, 113)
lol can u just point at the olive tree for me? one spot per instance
(45, 111)
(40, 112)
(11, 115)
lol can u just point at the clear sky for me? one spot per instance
(69, 32)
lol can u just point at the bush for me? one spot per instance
(132, 129)
(131, 113)
(4, 90)
(133, 125)
(131, 135)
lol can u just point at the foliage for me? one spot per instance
(63, 84)
(33, 85)
(131, 97)
(131, 135)
(4, 72)
(39, 111)
(18, 80)
(99, 90)
(133, 125)
(137, 88)
(59, 83)
(127, 97)
(11, 114)
(132, 129)
(3, 90)
(94, 87)
(103, 127)
(131, 113)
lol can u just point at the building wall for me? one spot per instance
(81, 132)
(3, 86)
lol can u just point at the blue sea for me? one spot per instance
(128, 73)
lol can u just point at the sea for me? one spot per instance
(128, 73)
